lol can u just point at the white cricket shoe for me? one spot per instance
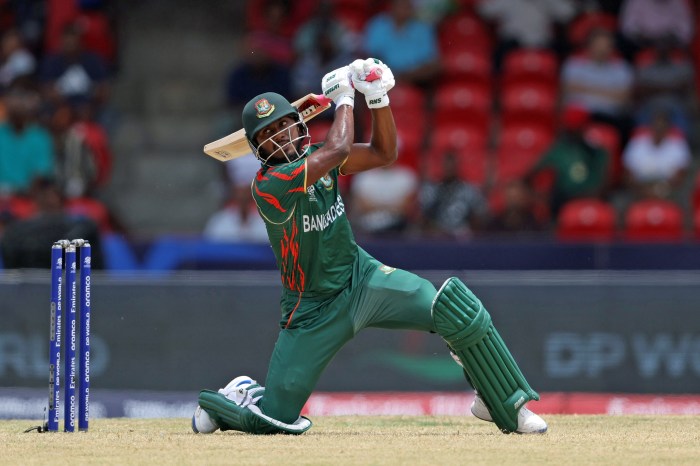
(202, 423)
(528, 422)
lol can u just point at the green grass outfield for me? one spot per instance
(355, 440)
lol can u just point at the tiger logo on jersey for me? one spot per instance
(263, 108)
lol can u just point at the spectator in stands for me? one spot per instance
(656, 160)
(277, 21)
(16, 62)
(526, 23)
(611, 7)
(239, 172)
(279, 17)
(28, 17)
(405, 43)
(643, 22)
(83, 152)
(321, 44)
(24, 242)
(669, 81)
(256, 73)
(26, 150)
(94, 18)
(580, 169)
(383, 200)
(451, 207)
(434, 11)
(73, 75)
(600, 82)
(518, 212)
(239, 219)
(96, 23)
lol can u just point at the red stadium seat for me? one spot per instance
(98, 35)
(410, 140)
(464, 31)
(654, 220)
(528, 103)
(473, 164)
(520, 147)
(531, 66)
(92, 209)
(463, 103)
(17, 207)
(605, 136)
(408, 106)
(458, 136)
(468, 143)
(468, 66)
(586, 220)
(408, 98)
(646, 57)
(696, 193)
(354, 14)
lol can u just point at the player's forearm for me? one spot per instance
(337, 146)
(384, 141)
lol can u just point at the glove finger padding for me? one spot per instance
(374, 79)
(368, 69)
(338, 87)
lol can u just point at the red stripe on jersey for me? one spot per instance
(292, 273)
(272, 200)
(300, 189)
(284, 176)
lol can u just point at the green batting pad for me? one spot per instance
(466, 326)
(229, 416)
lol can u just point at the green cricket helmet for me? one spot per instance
(263, 110)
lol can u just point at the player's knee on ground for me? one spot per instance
(250, 419)
(284, 401)
(461, 319)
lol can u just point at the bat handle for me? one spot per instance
(322, 99)
(374, 74)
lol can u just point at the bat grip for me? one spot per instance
(374, 74)
(322, 99)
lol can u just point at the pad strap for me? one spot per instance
(229, 416)
(466, 326)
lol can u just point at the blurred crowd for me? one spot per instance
(57, 59)
(573, 117)
(569, 117)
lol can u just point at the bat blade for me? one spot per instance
(236, 144)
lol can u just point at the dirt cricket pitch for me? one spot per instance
(354, 440)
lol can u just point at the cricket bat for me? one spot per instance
(236, 144)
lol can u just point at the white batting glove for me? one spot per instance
(337, 86)
(374, 79)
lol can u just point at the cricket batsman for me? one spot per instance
(332, 288)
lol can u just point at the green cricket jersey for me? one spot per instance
(307, 227)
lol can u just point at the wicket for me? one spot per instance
(65, 254)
